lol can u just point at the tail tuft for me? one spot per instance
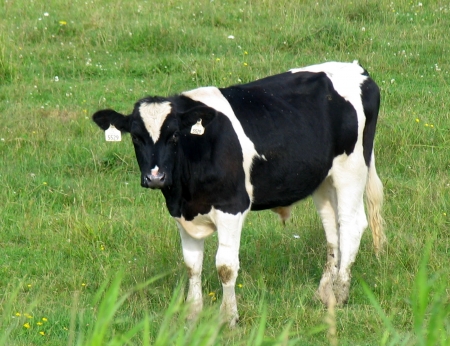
(374, 193)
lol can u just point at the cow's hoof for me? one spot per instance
(230, 319)
(341, 291)
(194, 310)
(233, 322)
(325, 291)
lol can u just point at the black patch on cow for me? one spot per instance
(371, 104)
(209, 171)
(299, 124)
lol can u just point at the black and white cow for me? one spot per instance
(217, 153)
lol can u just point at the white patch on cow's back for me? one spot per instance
(212, 97)
(153, 115)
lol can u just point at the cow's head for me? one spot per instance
(157, 130)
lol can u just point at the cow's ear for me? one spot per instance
(190, 117)
(107, 117)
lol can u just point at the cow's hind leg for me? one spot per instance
(193, 258)
(349, 177)
(326, 203)
(229, 228)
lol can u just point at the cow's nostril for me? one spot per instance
(154, 181)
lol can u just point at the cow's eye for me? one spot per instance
(135, 139)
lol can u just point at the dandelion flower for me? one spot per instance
(39, 323)
(27, 325)
(18, 314)
(417, 120)
(245, 64)
(44, 319)
(240, 285)
(62, 22)
(42, 333)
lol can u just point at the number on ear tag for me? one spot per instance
(198, 129)
(112, 134)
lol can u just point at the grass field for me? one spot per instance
(88, 257)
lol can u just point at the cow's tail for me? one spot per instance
(374, 196)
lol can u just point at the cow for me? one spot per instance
(217, 153)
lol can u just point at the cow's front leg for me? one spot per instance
(229, 228)
(193, 258)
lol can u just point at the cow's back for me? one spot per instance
(298, 123)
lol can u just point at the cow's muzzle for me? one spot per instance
(154, 180)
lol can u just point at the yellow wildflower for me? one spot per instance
(44, 319)
(39, 323)
(42, 333)
(62, 22)
(27, 325)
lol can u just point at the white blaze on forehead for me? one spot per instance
(212, 97)
(153, 115)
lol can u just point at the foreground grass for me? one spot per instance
(73, 214)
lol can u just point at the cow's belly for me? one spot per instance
(280, 185)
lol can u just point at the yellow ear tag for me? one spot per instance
(198, 129)
(112, 134)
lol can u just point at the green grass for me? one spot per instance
(72, 213)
